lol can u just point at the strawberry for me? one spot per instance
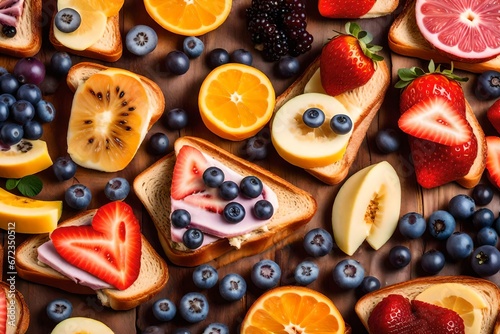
(493, 115)
(441, 319)
(434, 118)
(493, 160)
(347, 61)
(109, 248)
(187, 176)
(3, 312)
(344, 9)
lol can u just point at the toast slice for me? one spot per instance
(18, 320)
(296, 208)
(405, 38)
(152, 278)
(28, 39)
(412, 288)
(368, 98)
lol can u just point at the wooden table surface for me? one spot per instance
(179, 92)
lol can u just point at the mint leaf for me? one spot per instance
(11, 184)
(30, 185)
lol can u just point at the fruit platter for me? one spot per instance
(253, 166)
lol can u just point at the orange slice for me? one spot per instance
(293, 309)
(189, 17)
(236, 101)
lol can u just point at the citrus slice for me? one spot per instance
(108, 7)
(302, 145)
(292, 309)
(464, 30)
(109, 119)
(189, 17)
(460, 298)
(236, 101)
(25, 158)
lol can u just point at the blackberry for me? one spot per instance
(302, 44)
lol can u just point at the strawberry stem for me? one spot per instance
(407, 75)
(364, 39)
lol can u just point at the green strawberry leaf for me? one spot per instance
(29, 186)
(11, 184)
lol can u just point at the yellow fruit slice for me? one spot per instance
(292, 309)
(81, 325)
(25, 158)
(460, 298)
(236, 101)
(28, 215)
(302, 145)
(108, 7)
(109, 119)
(189, 17)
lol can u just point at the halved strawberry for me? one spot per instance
(109, 249)
(493, 115)
(208, 200)
(435, 119)
(3, 312)
(187, 177)
(493, 160)
(442, 320)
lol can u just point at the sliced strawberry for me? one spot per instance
(442, 320)
(110, 248)
(493, 160)
(434, 118)
(344, 9)
(3, 312)
(493, 115)
(207, 200)
(187, 177)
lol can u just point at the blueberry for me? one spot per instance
(158, 143)
(488, 85)
(9, 84)
(141, 40)
(441, 224)
(232, 287)
(318, 242)
(164, 309)
(216, 328)
(193, 307)
(256, 148)
(45, 111)
(233, 212)
(412, 225)
(117, 189)
(193, 46)
(348, 274)
(241, 56)
(483, 217)
(60, 63)
(177, 119)
(59, 309)
(217, 57)
(67, 20)
(399, 256)
(22, 111)
(313, 117)
(288, 66)
(487, 236)
(64, 168)
(266, 274)
(192, 238)
(486, 260)
(8, 99)
(205, 276)
(180, 218)
(177, 62)
(213, 177)
(461, 207)
(432, 261)
(459, 245)
(153, 330)
(306, 272)
(369, 284)
(78, 196)
(496, 225)
(3, 70)
(263, 209)
(4, 111)
(251, 186)
(32, 130)
(9, 31)
(229, 190)
(482, 194)
(181, 331)
(29, 92)
(388, 141)
(11, 133)
(341, 124)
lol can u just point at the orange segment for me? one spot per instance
(293, 309)
(236, 101)
(189, 17)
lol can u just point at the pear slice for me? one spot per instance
(81, 325)
(367, 207)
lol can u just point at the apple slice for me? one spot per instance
(367, 207)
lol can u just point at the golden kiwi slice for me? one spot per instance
(109, 119)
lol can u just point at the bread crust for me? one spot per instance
(152, 187)
(22, 313)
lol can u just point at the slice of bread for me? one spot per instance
(368, 98)
(405, 38)
(152, 278)
(109, 48)
(296, 208)
(80, 72)
(18, 320)
(381, 8)
(28, 39)
(413, 287)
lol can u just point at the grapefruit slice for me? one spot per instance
(463, 30)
